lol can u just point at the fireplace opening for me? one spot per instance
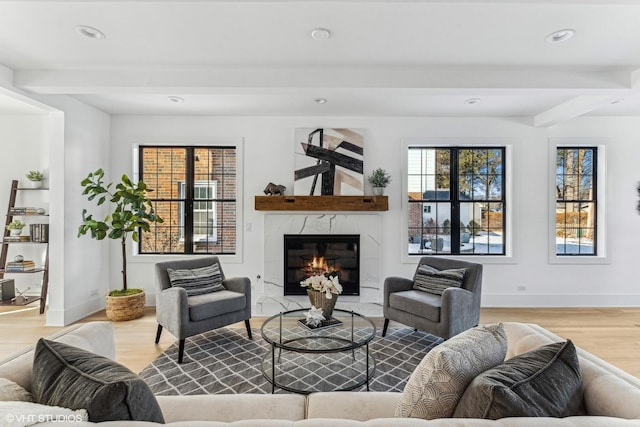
(310, 254)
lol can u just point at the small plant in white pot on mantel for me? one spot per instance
(379, 179)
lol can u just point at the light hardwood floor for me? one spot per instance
(610, 333)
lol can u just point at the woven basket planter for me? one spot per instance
(319, 300)
(125, 308)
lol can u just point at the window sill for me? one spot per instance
(480, 259)
(579, 260)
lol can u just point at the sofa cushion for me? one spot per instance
(10, 391)
(70, 377)
(214, 304)
(436, 385)
(419, 303)
(544, 382)
(197, 281)
(22, 414)
(432, 280)
(96, 337)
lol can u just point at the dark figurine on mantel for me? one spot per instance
(274, 190)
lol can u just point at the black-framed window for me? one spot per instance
(456, 200)
(576, 201)
(194, 191)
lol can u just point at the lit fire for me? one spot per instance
(318, 265)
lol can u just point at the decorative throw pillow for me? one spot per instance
(22, 414)
(436, 385)
(435, 281)
(70, 377)
(197, 281)
(544, 382)
(10, 391)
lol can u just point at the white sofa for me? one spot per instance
(611, 396)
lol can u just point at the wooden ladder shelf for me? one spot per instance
(7, 242)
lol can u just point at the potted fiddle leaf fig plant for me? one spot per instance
(132, 213)
(379, 179)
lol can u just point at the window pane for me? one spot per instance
(430, 228)
(164, 169)
(167, 236)
(575, 229)
(576, 209)
(478, 175)
(481, 229)
(414, 163)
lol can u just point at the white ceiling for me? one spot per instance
(384, 58)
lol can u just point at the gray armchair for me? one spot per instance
(185, 316)
(457, 310)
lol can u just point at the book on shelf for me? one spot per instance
(23, 211)
(39, 233)
(25, 265)
(16, 239)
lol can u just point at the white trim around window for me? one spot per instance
(511, 203)
(603, 251)
(238, 143)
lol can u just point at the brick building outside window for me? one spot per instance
(194, 191)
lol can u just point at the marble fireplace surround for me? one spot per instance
(269, 293)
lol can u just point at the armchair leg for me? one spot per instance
(248, 326)
(384, 328)
(180, 350)
(158, 333)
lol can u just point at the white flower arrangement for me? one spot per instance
(321, 283)
(314, 316)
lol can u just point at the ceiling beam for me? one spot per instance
(498, 80)
(573, 108)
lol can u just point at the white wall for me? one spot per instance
(80, 273)
(269, 147)
(23, 141)
(22, 138)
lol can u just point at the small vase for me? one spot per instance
(15, 232)
(378, 191)
(36, 184)
(319, 300)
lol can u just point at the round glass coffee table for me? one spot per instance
(304, 359)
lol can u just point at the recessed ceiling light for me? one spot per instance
(175, 99)
(560, 36)
(472, 101)
(320, 100)
(320, 34)
(90, 32)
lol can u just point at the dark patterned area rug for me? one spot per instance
(225, 361)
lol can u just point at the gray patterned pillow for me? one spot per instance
(435, 281)
(436, 385)
(197, 281)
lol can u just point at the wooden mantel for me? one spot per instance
(322, 203)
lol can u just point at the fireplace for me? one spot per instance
(310, 254)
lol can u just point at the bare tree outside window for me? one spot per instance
(456, 200)
(576, 201)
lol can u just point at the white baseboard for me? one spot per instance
(524, 300)
(75, 313)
